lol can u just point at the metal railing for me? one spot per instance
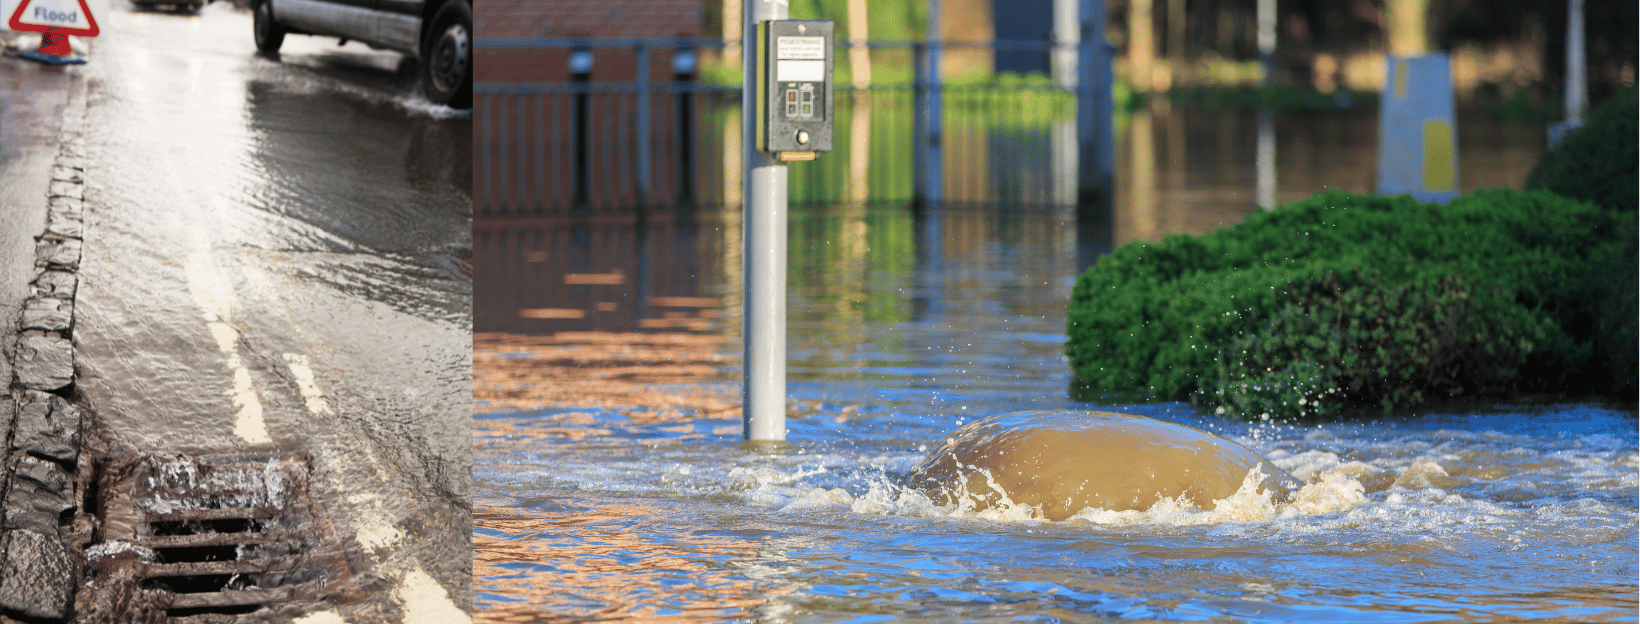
(581, 146)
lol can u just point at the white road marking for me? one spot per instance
(217, 302)
(320, 617)
(315, 399)
(426, 602)
(375, 529)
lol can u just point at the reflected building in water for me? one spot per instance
(1194, 170)
(859, 253)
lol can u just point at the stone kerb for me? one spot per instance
(39, 423)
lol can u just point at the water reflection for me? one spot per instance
(1194, 170)
(624, 561)
(883, 276)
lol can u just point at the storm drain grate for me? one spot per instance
(219, 534)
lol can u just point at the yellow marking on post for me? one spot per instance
(1438, 174)
(1400, 79)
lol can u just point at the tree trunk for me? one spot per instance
(1408, 24)
(1141, 44)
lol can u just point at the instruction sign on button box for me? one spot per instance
(800, 48)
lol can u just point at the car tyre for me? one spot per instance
(447, 56)
(268, 31)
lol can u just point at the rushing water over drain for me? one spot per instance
(632, 508)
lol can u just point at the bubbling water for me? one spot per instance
(1090, 467)
(1331, 491)
(1062, 462)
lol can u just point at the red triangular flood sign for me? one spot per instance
(62, 16)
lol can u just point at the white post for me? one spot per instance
(763, 395)
(859, 54)
(1267, 38)
(1067, 35)
(1265, 163)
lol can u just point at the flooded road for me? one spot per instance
(275, 262)
(611, 483)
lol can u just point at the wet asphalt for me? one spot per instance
(31, 101)
(277, 256)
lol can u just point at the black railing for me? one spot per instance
(588, 146)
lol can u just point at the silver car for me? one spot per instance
(436, 32)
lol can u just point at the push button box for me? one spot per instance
(795, 60)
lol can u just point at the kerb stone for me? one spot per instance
(48, 427)
(37, 579)
(46, 314)
(67, 189)
(63, 253)
(44, 362)
(56, 284)
(40, 492)
(60, 173)
(65, 225)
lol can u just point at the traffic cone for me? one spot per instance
(54, 50)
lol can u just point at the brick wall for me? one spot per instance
(525, 19)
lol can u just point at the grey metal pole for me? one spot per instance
(763, 395)
(1096, 158)
(1577, 85)
(927, 165)
(646, 189)
(935, 172)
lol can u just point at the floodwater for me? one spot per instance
(275, 261)
(905, 326)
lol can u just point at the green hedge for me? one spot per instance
(1345, 299)
(1598, 161)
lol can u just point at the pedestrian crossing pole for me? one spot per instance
(763, 394)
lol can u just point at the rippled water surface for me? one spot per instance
(905, 327)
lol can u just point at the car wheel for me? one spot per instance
(269, 34)
(447, 56)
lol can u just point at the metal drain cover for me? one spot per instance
(205, 536)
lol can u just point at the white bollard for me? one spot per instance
(1417, 129)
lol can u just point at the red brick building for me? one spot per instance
(563, 19)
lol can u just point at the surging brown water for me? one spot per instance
(1061, 462)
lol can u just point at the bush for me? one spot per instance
(1394, 335)
(1347, 299)
(1597, 162)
